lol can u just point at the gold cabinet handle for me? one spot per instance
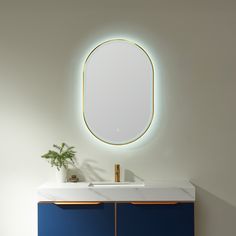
(77, 203)
(154, 203)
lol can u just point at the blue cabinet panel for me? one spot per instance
(75, 220)
(155, 220)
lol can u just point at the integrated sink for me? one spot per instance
(117, 191)
(116, 184)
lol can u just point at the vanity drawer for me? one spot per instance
(155, 219)
(76, 219)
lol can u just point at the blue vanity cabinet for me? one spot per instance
(76, 220)
(155, 219)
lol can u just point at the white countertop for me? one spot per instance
(105, 192)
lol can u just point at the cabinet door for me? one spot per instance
(155, 220)
(75, 220)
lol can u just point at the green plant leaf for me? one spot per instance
(63, 158)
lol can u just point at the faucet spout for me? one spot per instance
(117, 173)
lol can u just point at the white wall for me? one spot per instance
(42, 44)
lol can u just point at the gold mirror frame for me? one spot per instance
(153, 90)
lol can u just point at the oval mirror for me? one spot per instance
(118, 91)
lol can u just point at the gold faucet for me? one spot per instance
(117, 173)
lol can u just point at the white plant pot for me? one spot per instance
(61, 175)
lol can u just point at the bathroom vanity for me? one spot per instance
(116, 209)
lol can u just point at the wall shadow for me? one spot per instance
(88, 171)
(213, 216)
(130, 176)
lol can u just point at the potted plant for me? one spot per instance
(61, 158)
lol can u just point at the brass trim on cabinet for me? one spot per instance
(115, 218)
(154, 203)
(77, 203)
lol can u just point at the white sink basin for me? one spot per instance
(116, 184)
(118, 192)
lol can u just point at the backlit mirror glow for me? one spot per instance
(118, 92)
